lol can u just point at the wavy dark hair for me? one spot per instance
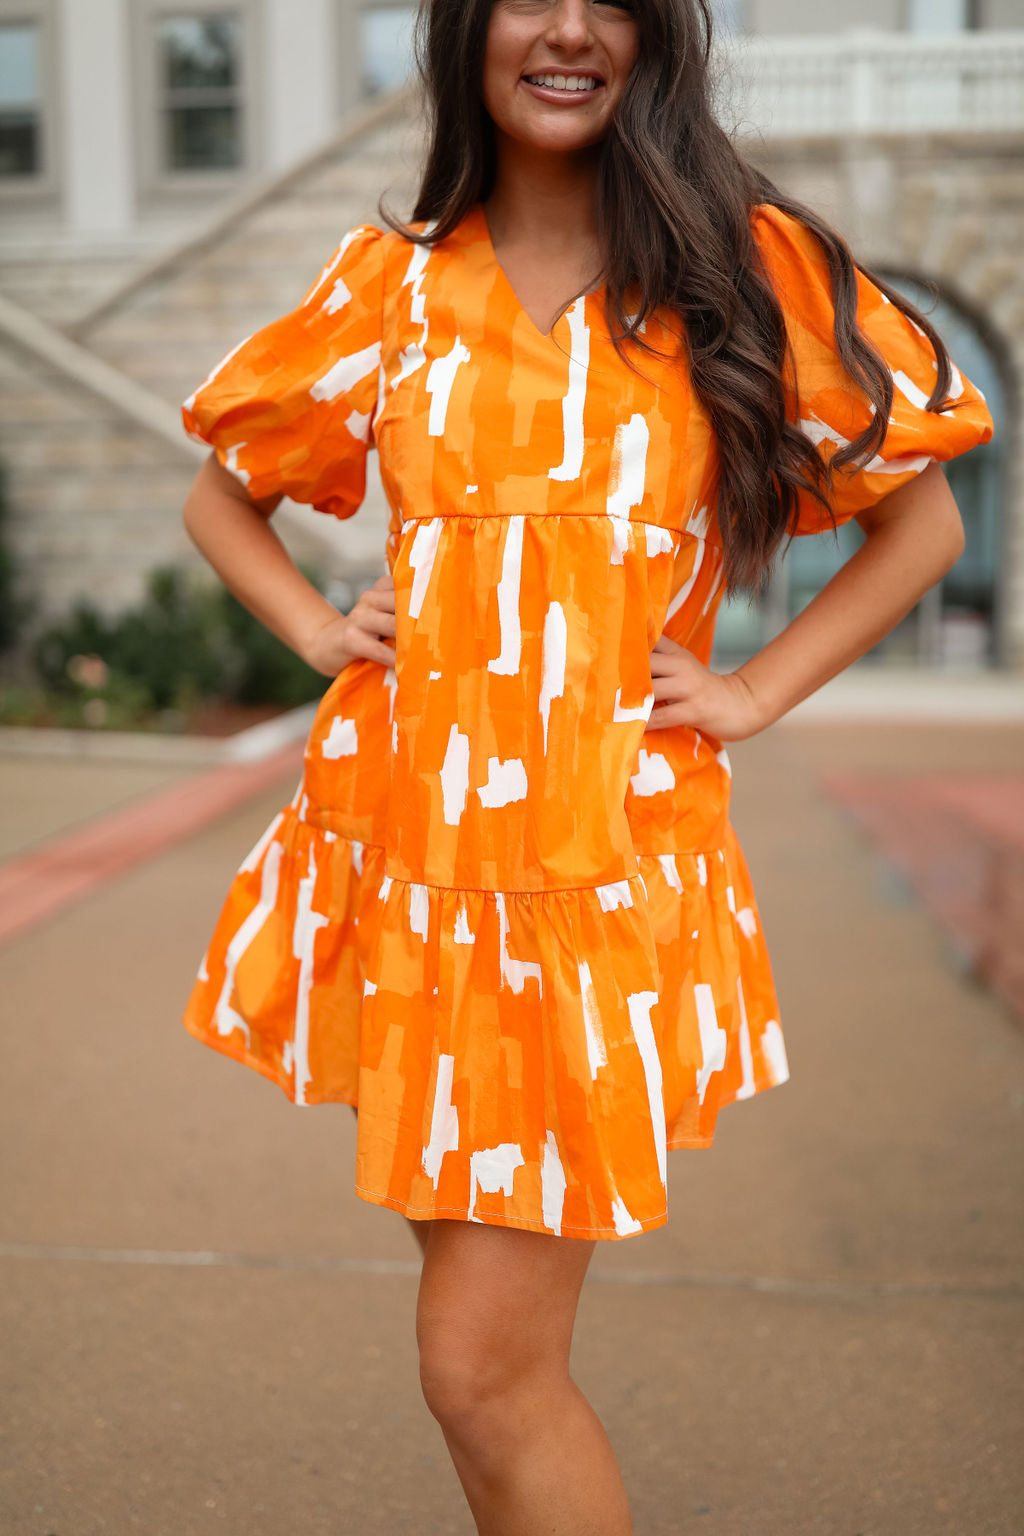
(674, 206)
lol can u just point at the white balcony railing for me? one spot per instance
(873, 82)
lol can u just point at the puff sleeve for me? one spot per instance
(833, 409)
(290, 410)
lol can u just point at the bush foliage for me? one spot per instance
(13, 608)
(186, 642)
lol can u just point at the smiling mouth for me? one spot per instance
(570, 84)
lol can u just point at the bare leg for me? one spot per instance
(494, 1323)
(420, 1229)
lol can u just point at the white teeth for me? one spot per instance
(564, 82)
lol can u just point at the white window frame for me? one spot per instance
(30, 191)
(157, 182)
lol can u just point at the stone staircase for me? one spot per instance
(97, 462)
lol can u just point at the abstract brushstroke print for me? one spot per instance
(514, 928)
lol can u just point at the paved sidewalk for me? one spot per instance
(205, 1330)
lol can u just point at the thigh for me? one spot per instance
(497, 1300)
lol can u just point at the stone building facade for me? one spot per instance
(166, 220)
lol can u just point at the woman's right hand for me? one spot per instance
(358, 633)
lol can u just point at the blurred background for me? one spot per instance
(173, 171)
(203, 1327)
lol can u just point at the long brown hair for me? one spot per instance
(674, 206)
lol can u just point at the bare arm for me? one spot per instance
(233, 532)
(912, 538)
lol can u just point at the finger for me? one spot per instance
(375, 621)
(379, 602)
(661, 718)
(667, 646)
(361, 644)
(383, 582)
(667, 688)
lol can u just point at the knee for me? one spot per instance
(466, 1382)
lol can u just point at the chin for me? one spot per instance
(567, 141)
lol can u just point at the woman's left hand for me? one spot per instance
(686, 692)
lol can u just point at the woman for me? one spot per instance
(607, 368)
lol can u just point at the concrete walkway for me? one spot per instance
(205, 1330)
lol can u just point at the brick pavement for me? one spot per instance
(204, 1329)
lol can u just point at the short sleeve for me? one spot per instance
(833, 408)
(290, 410)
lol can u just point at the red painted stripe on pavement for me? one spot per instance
(992, 803)
(960, 843)
(36, 884)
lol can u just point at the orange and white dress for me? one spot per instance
(513, 926)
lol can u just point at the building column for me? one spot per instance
(96, 125)
(300, 71)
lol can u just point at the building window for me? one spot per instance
(385, 46)
(200, 72)
(941, 15)
(728, 17)
(21, 107)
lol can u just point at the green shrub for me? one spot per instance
(13, 609)
(269, 672)
(186, 642)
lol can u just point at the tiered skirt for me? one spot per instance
(523, 1059)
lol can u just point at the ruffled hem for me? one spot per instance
(522, 1059)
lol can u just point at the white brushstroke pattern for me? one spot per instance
(515, 972)
(444, 1121)
(773, 1049)
(615, 894)
(455, 776)
(746, 1088)
(640, 712)
(507, 661)
(670, 870)
(552, 1185)
(342, 740)
(440, 378)
(506, 783)
(419, 910)
(629, 466)
(421, 560)
(554, 650)
(493, 1168)
(624, 1222)
(224, 1016)
(640, 1005)
(575, 396)
(308, 924)
(461, 933)
(712, 1037)
(346, 373)
(747, 921)
(597, 1052)
(653, 774)
(258, 849)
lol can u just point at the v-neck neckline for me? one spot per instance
(483, 228)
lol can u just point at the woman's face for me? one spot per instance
(554, 70)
